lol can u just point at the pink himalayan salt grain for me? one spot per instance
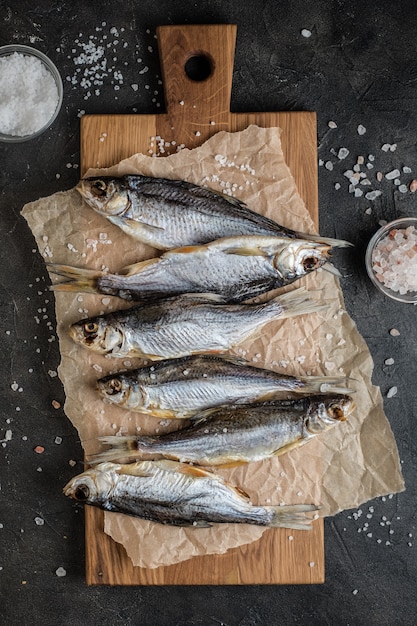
(394, 260)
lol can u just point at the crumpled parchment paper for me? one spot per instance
(354, 462)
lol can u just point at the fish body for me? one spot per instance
(237, 434)
(169, 214)
(236, 268)
(179, 388)
(184, 325)
(177, 494)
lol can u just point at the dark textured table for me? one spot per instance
(354, 64)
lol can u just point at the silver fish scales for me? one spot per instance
(178, 494)
(168, 213)
(236, 268)
(179, 388)
(236, 434)
(184, 325)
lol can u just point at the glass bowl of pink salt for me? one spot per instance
(391, 259)
(31, 93)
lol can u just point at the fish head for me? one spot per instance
(298, 258)
(92, 486)
(325, 412)
(97, 335)
(117, 389)
(105, 195)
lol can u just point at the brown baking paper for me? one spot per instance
(354, 462)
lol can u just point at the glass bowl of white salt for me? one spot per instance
(391, 259)
(31, 93)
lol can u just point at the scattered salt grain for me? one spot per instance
(389, 361)
(372, 195)
(361, 129)
(392, 392)
(61, 572)
(394, 332)
(58, 440)
(343, 153)
(355, 591)
(393, 174)
(306, 33)
(28, 95)
(332, 124)
(39, 521)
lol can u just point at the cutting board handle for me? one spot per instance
(197, 69)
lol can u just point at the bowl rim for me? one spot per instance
(376, 237)
(51, 67)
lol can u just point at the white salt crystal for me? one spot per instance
(403, 188)
(389, 361)
(61, 572)
(306, 33)
(39, 521)
(372, 195)
(392, 392)
(328, 165)
(385, 147)
(361, 129)
(337, 186)
(406, 169)
(394, 332)
(393, 174)
(332, 124)
(343, 153)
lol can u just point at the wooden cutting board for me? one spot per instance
(197, 68)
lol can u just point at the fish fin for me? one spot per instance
(195, 471)
(135, 469)
(328, 267)
(289, 446)
(186, 250)
(291, 516)
(121, 448)
(136, 268)
(295, 303)
(230, 465)
(79, 279)
(136, 228)
(329, 241)
(325, 384)
(246, 250)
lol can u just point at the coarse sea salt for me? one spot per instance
(394, 260)
(28, 95)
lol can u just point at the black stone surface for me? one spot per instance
(358, 67)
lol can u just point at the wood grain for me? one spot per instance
(195, 110)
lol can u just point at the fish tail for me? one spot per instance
(295, 303)
(78, 279)
(122, 448)
(329, 241)
(325, 384)
(292, 516)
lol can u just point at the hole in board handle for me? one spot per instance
(199, 67)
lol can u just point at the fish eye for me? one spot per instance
(99, 188)
(310, 263)
(337, 413)
(90, 328)
(82, 493)
(114, 386)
